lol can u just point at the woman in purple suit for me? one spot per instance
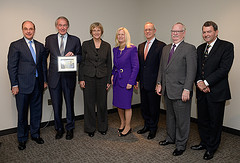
(124, 75)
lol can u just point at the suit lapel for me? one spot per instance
(176, 52)
(37, 48)
(55, 41)
(92, 46)
(152, 47)
(167, 55)
(67, 48)
(27, 50)
(214, 48)
(142, 51)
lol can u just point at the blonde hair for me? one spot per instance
(127, 37)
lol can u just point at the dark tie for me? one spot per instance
(206, 53)
(33, 54)
(171, 53)
(62, 46)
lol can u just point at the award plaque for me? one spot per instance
(66, 64)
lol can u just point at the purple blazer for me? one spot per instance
(126, 66)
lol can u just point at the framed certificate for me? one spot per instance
(66, 64)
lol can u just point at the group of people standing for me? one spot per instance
(156, 68)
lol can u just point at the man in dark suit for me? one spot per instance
(27, 71)
(215, 58)
(176, 76)
(62, 83)
(149, 54)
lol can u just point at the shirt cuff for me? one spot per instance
(206, 83)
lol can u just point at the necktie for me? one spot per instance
(206, 53)
(33, 54)
(146, 50)
(171, 53)
(62, 46)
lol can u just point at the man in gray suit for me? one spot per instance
(176, 76)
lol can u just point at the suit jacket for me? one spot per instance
(148, 70)
(216, 69)
(22, 68)
(126, 66)
(73, 45)
(95, 63)
(180, 72)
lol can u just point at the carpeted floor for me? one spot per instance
(111, 148)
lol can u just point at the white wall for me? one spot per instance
(193, 14)
(131, 14)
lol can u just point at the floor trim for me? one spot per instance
(114, 110)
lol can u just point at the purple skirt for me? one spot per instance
(122, 97)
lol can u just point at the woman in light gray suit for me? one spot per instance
(94, 77)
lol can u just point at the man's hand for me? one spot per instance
(206, 90)
(15, 90)
(201, 85)
(45, 85)
(185, 95)
(136, 86)
(82, 84)
(69, 54)
(108, 86)
(158, 89)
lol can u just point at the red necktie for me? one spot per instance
(146, 50)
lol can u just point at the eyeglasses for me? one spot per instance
(177, 31)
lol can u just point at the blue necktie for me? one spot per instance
(33, 54)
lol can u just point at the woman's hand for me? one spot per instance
(129, 86)
(112, 79)
(108, 86)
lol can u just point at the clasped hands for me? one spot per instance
(202, 87)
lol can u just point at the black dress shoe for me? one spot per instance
(121, 134)
(103, 132)
(38, 140)
(59, 134)
(91, 134)
(177, 152)
(121, 129)
(198, 147)
(165, 142)
(208, 155)
(22, 145)
(143, 130)
(69, 134)
(151, 135)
